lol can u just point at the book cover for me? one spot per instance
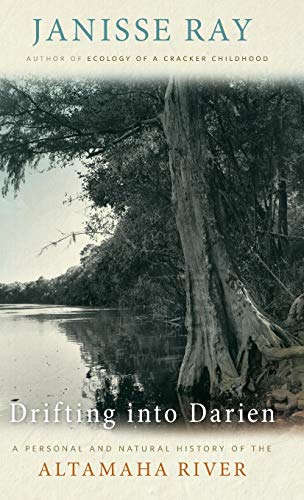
(152, 250)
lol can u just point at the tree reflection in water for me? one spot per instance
(129, 358)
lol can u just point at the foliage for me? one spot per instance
(256, 138)
(255, 134)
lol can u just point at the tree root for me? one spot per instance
(283, 353)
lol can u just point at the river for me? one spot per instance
(96, 357)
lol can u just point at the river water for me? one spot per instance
(99, 358)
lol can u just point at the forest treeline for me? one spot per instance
(255, 142)
(140, 263)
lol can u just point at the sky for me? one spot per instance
(36, 217)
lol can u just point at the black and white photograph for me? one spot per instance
(152, 251)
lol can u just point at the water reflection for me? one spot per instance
(101, 358)
(130, 359)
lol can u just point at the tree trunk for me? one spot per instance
(282, 224)
(282, 215)
(282, 211)
(222, 321)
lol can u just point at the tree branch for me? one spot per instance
(128, 133)
(283, 236)
(272, 274)
(61, 122)
(71, 236)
